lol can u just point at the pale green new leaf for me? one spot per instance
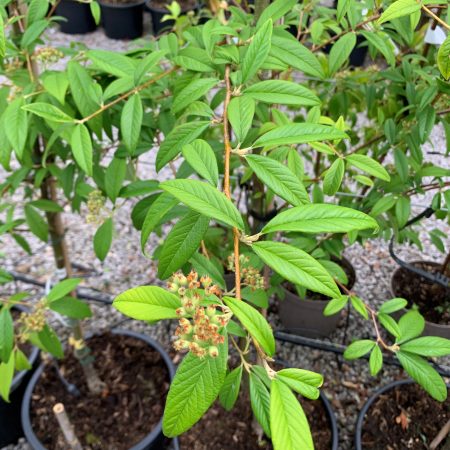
(359, 348)
(202, 159)
(279, 179)
(253, 322)
(443, 58)
(205, 199)
(131, 122)
(6, 334)
(333, 177)
(368, 165)
(49, 112)
(340, 52)
(320, 218)
(240, 114)
(411, 325)
(230, 389)
(398, 9)
(302, 381)
(17, 130)
(193, 390)
(193, 91)
(82, 148)
(150, 303)
(288, 423)
(282, 92)
(257, 51)
(63, 288)
(2, 39)
(6, 377)
(103, 239)
(56, 84)
(431, 346)
(260, 402)
(181, 243)
(375, 360)
(298, 133)
(296, 266)
(396, 304)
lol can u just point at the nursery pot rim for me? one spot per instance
(121, 6)
(405, 310)
(148, 4)
(368, 404)
(34, 441)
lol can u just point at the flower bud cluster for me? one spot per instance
(32, 322)
(199, 327)
(249, 274)
(95, 204)
(48, 55)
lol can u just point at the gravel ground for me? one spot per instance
(125, 267)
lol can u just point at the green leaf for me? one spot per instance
(49, 112)
(158, 209)
(389, 324)
(112, 62)
(253, 322)
(358, 348)
(174, 142)
(333, 177)
(147, 63)
(21, 361)
(282, 92)
(382, 42)
(335, 305)
(95, 11)
(276, 10)
(402, 210)
(37, 224)
(302, 381)
(375, 361)
(295, 164)
(131, 122)
(288, 423)
(368, 165)
(431, 346)
(37, 10)
(181, 243)
(257, 51)
(82, 148)
(340, 52)
(320, 218)
(63, 288)
(103, 239)
(6, 334)
(150, 303)
(296, 266)
(279, 179)
(114, 176)
(240, 114)
(205, 199)
(6, 377)
(260, 402)
(46, 205)
(2, 39)
(443, 58)
(420, 371)
(17, 130)
(230, 389)
(398, 9)
(202, 159)
(203, 266)
(382, 205)
(33, 32)
(48, 341)
(411, 325)
(359, 306)
(71, 307)
(193, 91)
(193, 390)
(396, 304)
(298, 133)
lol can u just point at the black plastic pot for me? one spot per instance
(368, 404)
(431, 328)
(123, 21)
(79, 19)
(10, 423)
(305, 316)
(153, 441)
(158, 13)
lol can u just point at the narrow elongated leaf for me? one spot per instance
(396, 304)
(368, 165)
(193, 390)
(320, 218)
(359, 348)
(6, 377)
(240, 114)
(6, 334)
(146, 64)
(103, 239)
(288, 423)
(181, 243)
(112, 62)
(63, 288)
(296, 266)
(431, 346)
(150, 303)
(49, 112)
(71, 307)
(203, 266)
(443, 58)
(37, 224)
(114, 176)
(257, 51)
(48, 341)
(180, 136)
(253, 322)
(279, 179)
(302, 381)
(46, 205)
(276, 10)
(2, 39)
(282, 92)
(420, 371)
(131, 122)
(375, 361)
(82, 148)
(333, 177)
(260, 402)
(17, 130)
(205, 199)
(230, 389)
(202, 159)
(382, 42)
(298, 133)
(193, 91)
(398, 9)
(341, 51)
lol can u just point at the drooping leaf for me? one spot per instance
(103, 239)
(131, 122)
(333, 177)
(260, 402)
(240, 114)
(368, 165)
(359, 348)
(302, 381)
(17, 130)
(193, 91)
(375, 361)
(202, 159)
(6, 377)
(36, 223)
(49, 112)
(114, 176)
(341, 51)
(203, 266)
(275, 11)
(63, 288)
(398, 9)
(82, 148)
(396, 304)
(443, 58)
(71, 307)
(230, 389)
(6, 334)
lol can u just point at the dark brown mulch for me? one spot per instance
(185, 4)
(404, 418)
(137, 381)
(433, 300)
(222, 430)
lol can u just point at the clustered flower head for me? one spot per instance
(249, 274)
(95, 204)
(48, 55)
(32, 322)
(200, 327)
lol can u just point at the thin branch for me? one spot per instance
(435, 17)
